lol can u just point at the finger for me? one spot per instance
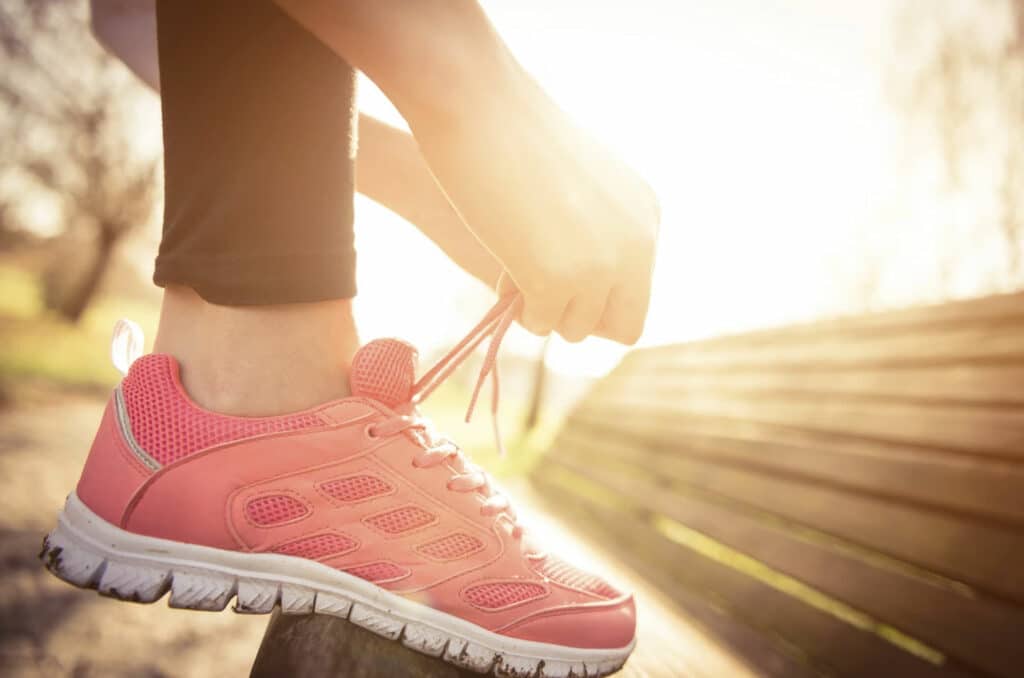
(625, 314)
(542, 312)
(582, 316)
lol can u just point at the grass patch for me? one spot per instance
(39, 345)
(20, 295)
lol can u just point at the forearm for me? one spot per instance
(391, 171)
(435, 59)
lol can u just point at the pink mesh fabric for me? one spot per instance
(564, 574)
(384, 370)
(400, 520)
(356, 488)
(379, 572)
(318, 546)
(496, 595)
(274, 509)
(169, 426)
(451, 547)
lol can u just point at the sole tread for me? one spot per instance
(208, 590)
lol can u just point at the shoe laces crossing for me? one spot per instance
(436, 449)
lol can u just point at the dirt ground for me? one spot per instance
(49, 629)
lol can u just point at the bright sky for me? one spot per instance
(761, 123)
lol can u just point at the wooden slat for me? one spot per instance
(991, 492)
(831, 644)
(998, 385)
(981, 634)
(947, 345)
(970, 430)
(878, 459)
(987, 311)
(763, 653)
(986, 557)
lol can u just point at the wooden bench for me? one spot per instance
(843, 498)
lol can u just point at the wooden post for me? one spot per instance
(321, 646)
(537, 390)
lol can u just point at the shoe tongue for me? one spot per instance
(385, 370)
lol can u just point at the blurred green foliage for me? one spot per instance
(39, 345)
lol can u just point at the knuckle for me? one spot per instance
(537, 323)
(534, 328)
(632, 333)
(573, 335)
(625, 330)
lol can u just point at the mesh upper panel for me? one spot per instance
(496, 595)
(561, 572)
(168, 426)
(318, 546)
(274, 509)
(356, 488)
(384, 370)
(400, 520)
(378, 572)
(451, 547)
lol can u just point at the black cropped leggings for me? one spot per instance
(259, 128)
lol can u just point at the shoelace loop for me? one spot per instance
(494, 325)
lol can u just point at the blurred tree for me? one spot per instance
(961, 76)
(66, 116)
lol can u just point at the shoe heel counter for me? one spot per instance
(113, 472)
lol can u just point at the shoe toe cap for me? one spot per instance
(593, 627)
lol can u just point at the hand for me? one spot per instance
(574, 228)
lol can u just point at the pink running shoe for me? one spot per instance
(355, 508)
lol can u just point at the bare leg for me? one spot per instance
(258, 360)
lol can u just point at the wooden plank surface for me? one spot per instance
(991, 492)
(979, 384)
(979, 633)
(947, 345)
(763, 654)
(980, 431)
(875, 461)
(830, 646)
(985, 557)
(993, 311)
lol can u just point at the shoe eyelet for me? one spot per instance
(370, 431)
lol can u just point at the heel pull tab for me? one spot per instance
(126, 344)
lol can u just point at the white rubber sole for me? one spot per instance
(89, 552)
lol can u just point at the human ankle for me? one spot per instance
(258, 360)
